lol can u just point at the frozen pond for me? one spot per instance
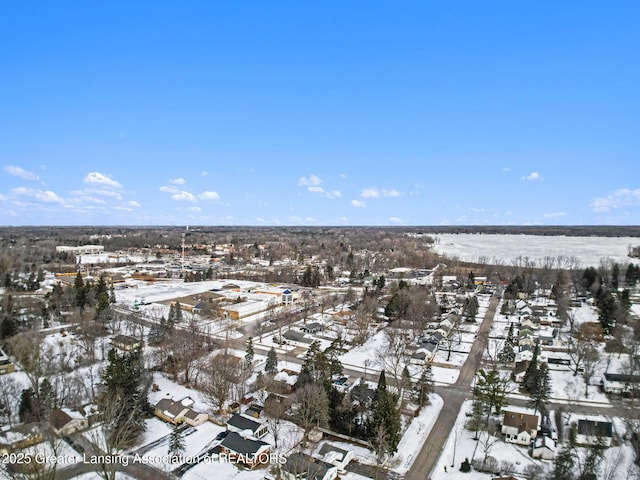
(516, 249)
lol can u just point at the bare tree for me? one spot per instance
(312, 407)
(275, 409)
(392, 357)
(590, 362)
(9, 396)
(220, 376)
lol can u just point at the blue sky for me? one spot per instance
(319, 113)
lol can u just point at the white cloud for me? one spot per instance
(204, 173)
(334, 194)
(178, 181)
(195, 209)
(46, 196)
(506, 169)
(20, 172)
(209, 196)
(169, 189)
(372, 192)
(2, 198)
(316, 189)
(295, 219)
(391, 193)
(358, 204)
(622, 197)
(133, 203)
(312, 181)
(533, 176)
(343, 176)
(396, 220)
(104, 193)
(184, 197)
(96, 178)
(554, 214)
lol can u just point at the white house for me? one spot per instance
(336, 456)
(520, 427)
(243, 424)
(594, 431)
(65, 421)
(544, 447)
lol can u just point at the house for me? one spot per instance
(240, 423)
(6, 365)
(619, 383)
(300, 466)
(519, 371)
(519, 427)
(336, 456)
(594, 432)
(243, 450)
(297, 338)
(125, 343)
(20, 436)
(177, 412)
(284, 381)
(544, 447)
(254, 411)
(65, 421)
(312, 327)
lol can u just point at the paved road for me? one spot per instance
(453, 398)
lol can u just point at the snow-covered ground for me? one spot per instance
(504, 249)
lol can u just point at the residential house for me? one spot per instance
(336, 456)
(65, 421)
(313, 327)
(519, 370)
(594, 432)
(300, 466)
(519, 427)
(177, 412)
(126, 343)
(243, 450)
(297, 338)
(254, 411)
(243, 424)
(6, 365)
(620, 383)
(20, 436)
(544, 447)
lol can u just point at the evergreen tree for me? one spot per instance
(102, 298)
(425, 386)
(80, 292)
(46, 398)
(385, 414)
(249, 352)
(126, 383)
(564, 465)
(531, 379)
(28, 408)
(508, 354)
(176, 442)
(607, 305)
(491, 389)
(271, 365)
(112, 294)
(542, 392)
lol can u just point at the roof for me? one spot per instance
(522, 421)
(296, 336)
(596, 428)
(300, 463)
(329, 448)
(244, 446)
(59, 418)
(170, 406)
(622, 378)
(243, 423)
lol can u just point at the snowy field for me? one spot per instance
(504, 249)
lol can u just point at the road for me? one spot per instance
(453, 397)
